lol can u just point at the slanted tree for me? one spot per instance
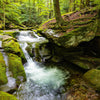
(59, 19)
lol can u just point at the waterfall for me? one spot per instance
(42, 83)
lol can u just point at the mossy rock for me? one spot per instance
(16, 67)
(93, 78)
(6, 96)
(76, 36)
(10, 33)
(83, 64)
(10, 45)
(7, 38)
(71, 39)
(3, 77)
(1, 31)
(29, 50)
(86, 62)
(22, 56)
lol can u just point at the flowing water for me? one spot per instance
(42, 83)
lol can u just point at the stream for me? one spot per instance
(43, 82)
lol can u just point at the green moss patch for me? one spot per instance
(6, 96)
(93, 78)
(10, 45)
(16, 67)
(1, 31)
(10, 33)
(3, 77)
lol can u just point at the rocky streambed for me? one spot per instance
(36, 68)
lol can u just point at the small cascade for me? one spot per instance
(42, 83)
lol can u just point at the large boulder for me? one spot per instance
(6, 96)
(93, 78)
(16, 67)
(3, 77)
(71, 39)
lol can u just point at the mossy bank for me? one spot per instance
(6, 96)
(3, 77)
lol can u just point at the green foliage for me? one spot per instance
(97, 2)
(31, 13)
(29, 16)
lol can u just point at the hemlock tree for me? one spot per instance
(59, 19)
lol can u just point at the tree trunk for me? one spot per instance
(4, 14)
(58, 17)
(34, 3)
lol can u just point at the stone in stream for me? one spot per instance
(44, 51)
(93, 78)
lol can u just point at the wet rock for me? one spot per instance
(37, 55)
(93, 78)
(30, 50)
(44, 51)
(10, 86)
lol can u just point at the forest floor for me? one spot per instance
(72, 20)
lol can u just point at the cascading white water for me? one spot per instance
(42, 83)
